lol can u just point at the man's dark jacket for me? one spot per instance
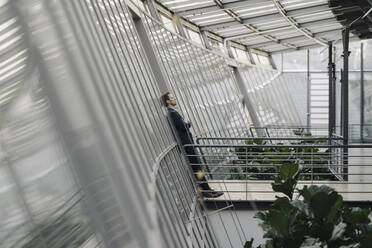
(183, 132)
(182, 128)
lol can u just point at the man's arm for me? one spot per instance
(178, 122)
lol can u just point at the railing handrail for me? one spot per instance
(269, 138)
(280, 146)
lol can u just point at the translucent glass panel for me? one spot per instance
(368, 55)
(297, 89)
(194, 36)
(318, 59)
(167, 23)
(203, 84)
(270, 97)
(295, 61)
(319, 100)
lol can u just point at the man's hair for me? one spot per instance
(165, 98)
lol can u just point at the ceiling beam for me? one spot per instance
(252, 28)
(295, 38)
(231, 5)
(305, 47)
(306, 32)
(268, 18)
(323, 22)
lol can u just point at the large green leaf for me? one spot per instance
(323, 231)
(354, 216)
(288, 170)
(279, 222)
(309, 192)
(366, 238)
(286, 187)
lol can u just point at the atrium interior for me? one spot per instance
(277, 95)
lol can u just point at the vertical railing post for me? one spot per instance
(345, 98)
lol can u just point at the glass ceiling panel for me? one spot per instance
(266, 21)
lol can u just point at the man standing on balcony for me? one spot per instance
(182, 129)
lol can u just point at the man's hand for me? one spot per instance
(188, 123)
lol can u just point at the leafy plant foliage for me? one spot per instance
(317, 217)
(263, 163)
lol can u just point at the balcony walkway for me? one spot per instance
(358, 188)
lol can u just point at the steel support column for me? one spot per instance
(345, 98)
(205, 40)
(330, 91)
(361, 92)
(154, 64)
(334, 93)
(345, 86)
(308, 114)
(152, 8)
(247, 102)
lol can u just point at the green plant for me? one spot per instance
(317, 217)
(262, 163)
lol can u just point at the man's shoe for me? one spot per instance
(208, 194)
(217, 194)
(212, 194)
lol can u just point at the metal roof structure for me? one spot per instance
(356, 13)
(267, 25)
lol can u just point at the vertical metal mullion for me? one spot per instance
(163, 143)
(202, 82)
(115, 92)
(164, 219)
(266, 95)
(362, 94)
(248, 81)
(171, 197)
(155, 143)
(205, 40)
(275, 96)
(168, 212)
(308, 114)
(190, 79)
(271, 98)
(70, 11)
(208, 84)
(152, 9)
(98, 66)
(330, 91)
(230, 86)
(166, 64)
(345, 99)
(262, 97)
(178, 177)
(293, 115)
(184, 176)
(121, 73)
(217, 84)
(237, 105)
(157, 48)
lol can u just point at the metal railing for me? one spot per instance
(245, 167)
(358, 133)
